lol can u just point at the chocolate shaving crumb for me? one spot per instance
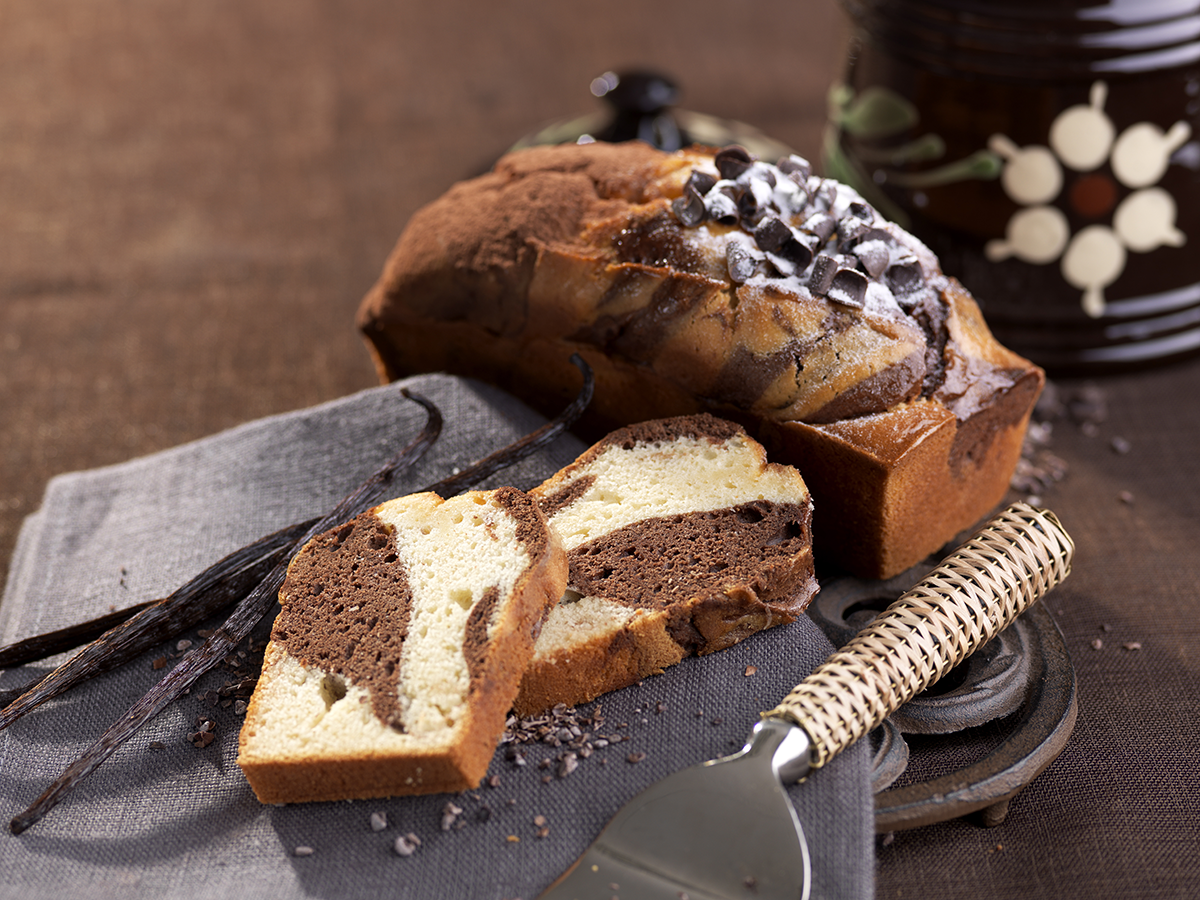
(450, 812)
(406, 844)
(204, 733)
(159, 663)
(568, 764)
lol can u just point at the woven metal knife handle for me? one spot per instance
(973, 595)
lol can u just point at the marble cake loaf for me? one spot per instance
(705, 281)
(400, 648)
(681, 539)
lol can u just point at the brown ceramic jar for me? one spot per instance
(1049, 152)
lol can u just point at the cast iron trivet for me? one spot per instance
(971, 743)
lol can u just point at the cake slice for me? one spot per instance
(399, 649)
(681, 539)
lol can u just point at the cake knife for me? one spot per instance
(726, 828)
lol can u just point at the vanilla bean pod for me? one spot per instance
(39, 646)
(217, 587)
(222, 584)
(250, 611)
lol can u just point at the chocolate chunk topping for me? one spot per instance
(732, 161)
(701, 182)
(689, 208)
(796, 167)
(346, 608)
(904, 277)
(771, 234)
(849, 287)
(743, 261)
(788, 251)
(874, 257)
(822, 225)
(824, 268)
(825, 195)
(862, 211)
(849, 230)
(752, 202)
(722, 205)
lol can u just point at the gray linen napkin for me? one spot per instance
(166, 819)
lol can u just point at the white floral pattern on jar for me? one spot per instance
(1083, 138)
